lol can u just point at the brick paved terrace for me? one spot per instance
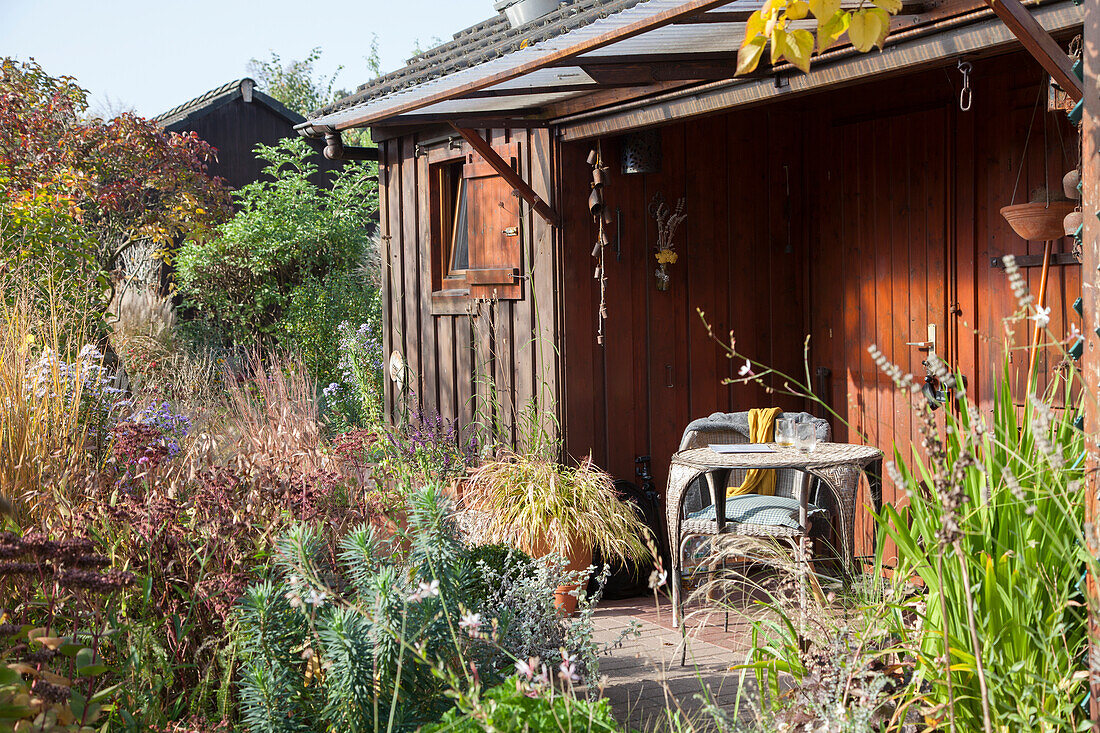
(644, 678)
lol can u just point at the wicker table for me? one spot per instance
(838, 465)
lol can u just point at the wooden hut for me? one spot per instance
(234, 118)
(857, 204)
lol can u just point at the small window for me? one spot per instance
(450, 229)
(475, 231)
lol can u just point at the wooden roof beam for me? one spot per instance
(513, 118)
(653, 72)
(1039, 44)
(515, 180)
(522, 91)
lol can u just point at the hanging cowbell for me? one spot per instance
(595, 202)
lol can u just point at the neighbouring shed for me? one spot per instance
(234, 118)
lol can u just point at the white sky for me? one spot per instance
(153, 55)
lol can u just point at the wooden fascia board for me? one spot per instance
(610, 97)
(514, 179)
(1039, 44)
(658, 20)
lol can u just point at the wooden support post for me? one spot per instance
(514, 179)
(1090, 361)
(1039, 44)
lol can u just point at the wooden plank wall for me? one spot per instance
(739, 262)
(496, 363)
(858, 216)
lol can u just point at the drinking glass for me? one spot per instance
(805, 436)
(784, 435)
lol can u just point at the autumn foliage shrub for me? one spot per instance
(76, 192)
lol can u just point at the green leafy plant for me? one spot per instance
(520, 704)
(283, 271)
(371, 637)
(995, 531)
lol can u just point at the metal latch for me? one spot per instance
(511, 232)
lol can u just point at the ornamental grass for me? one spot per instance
(537, 504)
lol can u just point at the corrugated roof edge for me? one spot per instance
(455, 55)
(218, 96)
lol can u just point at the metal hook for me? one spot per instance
(966, 96)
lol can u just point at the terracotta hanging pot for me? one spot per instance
(1039, 221)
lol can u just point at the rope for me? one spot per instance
(1027, 140)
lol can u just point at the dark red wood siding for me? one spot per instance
(857, 216)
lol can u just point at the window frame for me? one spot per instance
(450, 291)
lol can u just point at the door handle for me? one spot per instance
(930, 344)
(668, 376)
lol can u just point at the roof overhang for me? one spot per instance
(525, 81)
(661, 57)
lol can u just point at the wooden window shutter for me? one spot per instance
(495, 234)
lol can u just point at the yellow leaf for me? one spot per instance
(313, 669)
(890, 6)
(50, 642)
(753, 28)
(749, 55)
(831, 29)
(883, 25)
(799, 9)
(863, 30)
(779, 45)
(824, 9)
(800, 44)
(55, 679)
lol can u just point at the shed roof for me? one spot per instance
(489, 39)
(552, 69)
(181, 116)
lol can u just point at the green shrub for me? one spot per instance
(982, 622)
(284, 270)
(490, 561)
(995, 530)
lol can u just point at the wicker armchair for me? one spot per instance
(707, 490)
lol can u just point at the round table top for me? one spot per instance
(785, 456)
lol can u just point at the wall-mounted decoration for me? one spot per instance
(602, 216)
(641, 152)
(667, 223)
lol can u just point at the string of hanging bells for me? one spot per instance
(601, 215)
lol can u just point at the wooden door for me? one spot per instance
(880, 234)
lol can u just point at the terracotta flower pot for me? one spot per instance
(1038, 220)
(565, 599)
(578, 558)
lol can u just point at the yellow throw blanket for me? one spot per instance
(761, 430)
